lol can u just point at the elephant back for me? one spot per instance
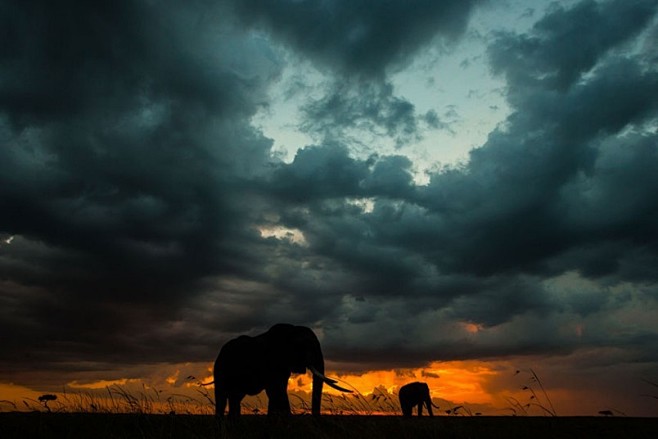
(240, 364)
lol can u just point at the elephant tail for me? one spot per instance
(199, 383)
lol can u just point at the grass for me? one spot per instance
(117, 400)
(538, 397)
(117, 412)
(111, 425)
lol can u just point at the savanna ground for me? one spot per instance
(116, 412)
(112, 425)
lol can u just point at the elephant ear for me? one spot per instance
(293, 346)
(302, 334)
(297, 346)
(304, 340)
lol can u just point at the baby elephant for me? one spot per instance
(413, 394)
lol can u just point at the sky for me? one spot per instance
(444, 190)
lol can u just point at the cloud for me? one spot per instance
(355, 107)
(357, 37)
(566, 43)
(151, 223)
(360, 43)
(125, 133)
(127, 159)
(320, 172)
(563, 185)
(507, 207)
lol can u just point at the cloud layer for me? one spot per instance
(145, 218)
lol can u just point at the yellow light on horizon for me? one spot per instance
(457, 381)
(100, 384)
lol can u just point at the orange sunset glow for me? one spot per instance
(482, 387)
(454, 383)
(458, 381)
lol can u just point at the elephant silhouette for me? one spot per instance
(248, 365)
(415, 394)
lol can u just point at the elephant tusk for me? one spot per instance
(337, 387)
(330, 382)
(315, 372)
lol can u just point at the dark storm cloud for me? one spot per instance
(360, 41)
(508, 208)
(125, 133)
(512, 208)
(514, 204)
(362, 107)
(390, 176)
(117, 145)
(320, 172)
(569, 42)
(564, 185)
(323, 187)
(328, 172)
(144, 220)
(358, 37)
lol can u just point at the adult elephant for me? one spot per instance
(415, 394)
(248, 365)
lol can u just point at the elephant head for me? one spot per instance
(249, 365)
(415, 394)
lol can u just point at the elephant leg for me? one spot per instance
(234, 401)
(277, 399)
(220, 401)
(428, 403)
(420, 409)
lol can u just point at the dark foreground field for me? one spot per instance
(68, 425)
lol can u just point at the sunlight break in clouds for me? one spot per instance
(293, 235)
